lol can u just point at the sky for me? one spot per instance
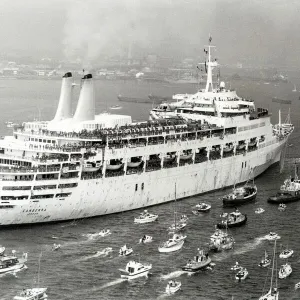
(256, 31)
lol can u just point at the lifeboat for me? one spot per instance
(116, 165)
(228, 148)
(91, 167)
(252, 143)
(186, 156)
(241, 146)
(134, 163)
(169, 157)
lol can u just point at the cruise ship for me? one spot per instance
(85, 165)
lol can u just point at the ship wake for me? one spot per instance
(112, 283)
(174, 274)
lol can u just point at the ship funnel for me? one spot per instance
(64, 109)
(86, 104)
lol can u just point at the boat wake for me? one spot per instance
(102, 253)
(14, 272)
(112, 283)
(174, 274)
(249, 246)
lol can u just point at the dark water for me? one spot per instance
(74, 272)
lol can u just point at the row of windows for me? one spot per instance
(42, 140)
(45, 187)
(14, 162)
(17, 188)
(244, 128)
(142, 186)
(34, 210)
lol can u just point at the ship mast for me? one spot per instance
(210, 65)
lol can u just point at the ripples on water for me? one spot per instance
(76, 271)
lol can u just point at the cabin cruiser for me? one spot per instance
(135, 269)
(233, 219)
(241, 274)
(240, 195)
(173, 244)
(173, 286)
(285, 271)
(146, 239)
(221, 240)
(272, 236)
(32, 294)
(145, 217)
(124, 251)
(56, 247)
(201, 207)
(286, 253)
(200, 261)
(282, 207)
(265, 261)
(259, 210)
(10, 264)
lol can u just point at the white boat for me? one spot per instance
(202, 207)
(272, 236)
(104, 232)
(115, 107)
(146, 239)
(183, 219)
(199, 262)
(273, 293)
(186, 156)
(259, 210)
(173, 244)
(124, 251)
(145, 217)
(173, 286)
(91, 167)
(282, 207)
(297, 286)
(228, 148)
(134, 164)
(236, 267)
(221, 240)
(286, 253)
(11, 264)
(2, 250)
(114, 167)
(56, 247)
(135, 269)
(177, 227)
(242, 274)
(285, 271)
(32, 294)
(265, 261)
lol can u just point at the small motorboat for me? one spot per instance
(282, 207)
(124, 251)
(220, 241)
(259, 210)
(234, 219)
(11, 264)
(145, 217)
(285, 271)
(272, 236)
(297, 286)
(104, 232)
(146, 239)
(173, 244)
(286, 253)
(202, 207)
(183, 219)
(32, 294)
(265, 261)
(236, 267)
(173, 286)
(241, 274)
(56, 247)
(199, 262)
(134, 270)
(177, 227)
(2, 250)
(115, 107)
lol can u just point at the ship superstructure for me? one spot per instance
(89, 165)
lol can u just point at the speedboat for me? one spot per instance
(146, 239)
(272, 236)
(202, 207)
(236, 267)
(234, 219)
(285, 271)
(32, 294)
(282, 207)
(173, 286)
(135, 269)
(265, 261)
(259, 210)
(286, 253)
(104, 232)
(55, 247)
(221, 240)
(241, 274)
(124, 251)
(145, 217)
(173, 244)
(200, 261)
(10, 264)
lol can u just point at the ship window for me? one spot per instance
(136, 187)
(245, 164)
(40, 140)
(142, 185)
(242, 165)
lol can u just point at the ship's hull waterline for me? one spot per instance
(96, 197)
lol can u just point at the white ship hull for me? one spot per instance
(96, 197)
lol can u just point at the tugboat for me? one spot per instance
(146, 239)
(9, 264)
(200, 261)
(265, 261)
(241, 274)
(221, 240)
(173, 286)
(32, 294)
(173, 244)
(289, 191)
(234, 219)
(145, 217)
(240, 195)
(134, 270)
(124, 251)
(201, 207)
(285, 271)
(272, 236)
